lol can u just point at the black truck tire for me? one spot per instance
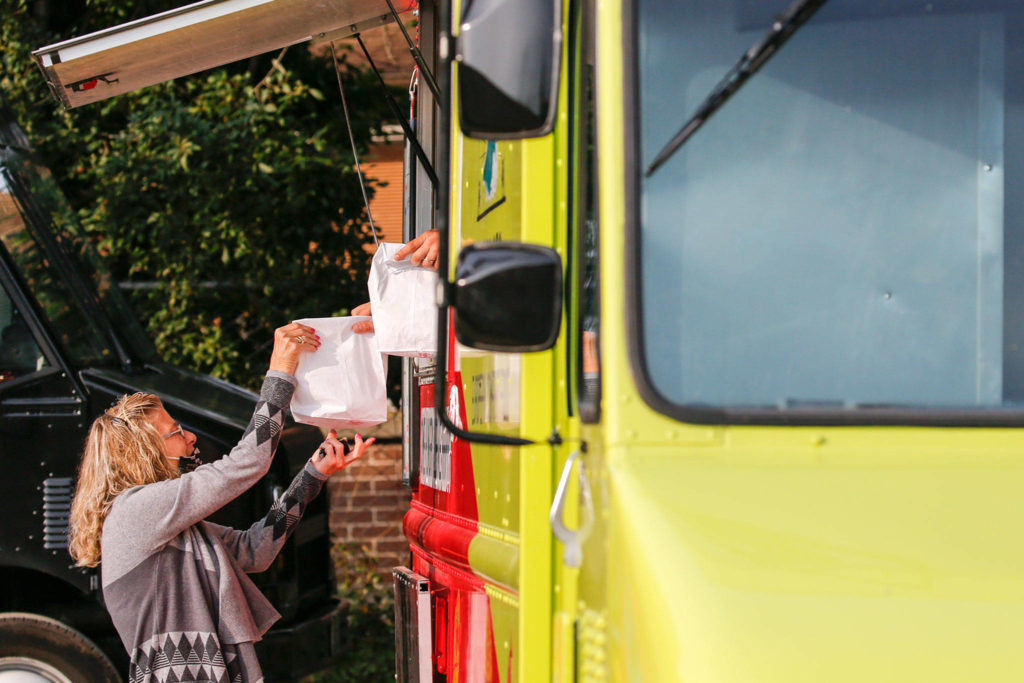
(54, 652)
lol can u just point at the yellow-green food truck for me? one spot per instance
(734, 382)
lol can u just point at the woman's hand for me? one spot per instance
(334, 455)
(289, 342)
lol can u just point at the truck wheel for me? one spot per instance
(37, 649)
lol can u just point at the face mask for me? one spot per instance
(188, 463)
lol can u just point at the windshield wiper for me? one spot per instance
(753, 59)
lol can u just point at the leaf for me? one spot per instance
(206, 179)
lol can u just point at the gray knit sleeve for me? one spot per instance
(256, 547)
(149, 516)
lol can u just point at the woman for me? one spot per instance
(175, 585)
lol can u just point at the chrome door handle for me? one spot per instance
(572, 539)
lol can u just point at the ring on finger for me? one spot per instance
(300, 340)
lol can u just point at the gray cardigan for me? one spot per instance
(176, 585)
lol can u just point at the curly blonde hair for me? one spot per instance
(123, 450)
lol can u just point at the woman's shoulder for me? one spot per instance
(122, 503)
(130, 502)
(130, 528)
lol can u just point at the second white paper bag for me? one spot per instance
(341, 384)
(403, 301)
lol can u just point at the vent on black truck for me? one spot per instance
(56, 510)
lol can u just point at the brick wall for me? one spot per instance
(368, 501)
(384, 168)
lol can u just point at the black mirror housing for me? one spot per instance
(508, 53)
(507, 297)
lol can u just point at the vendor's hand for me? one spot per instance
(334, 455)
(362, 327)
(424, 250)
(289, 342)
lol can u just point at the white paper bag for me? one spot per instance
(404, 304)
(341, 384)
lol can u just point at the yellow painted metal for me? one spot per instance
(546, 215)
(807, 555)
(504, 608)
(492, 388)
(526, 203)
(782, 553)
(540, 169)
(494, 556)
(565, 579)
(565, 588)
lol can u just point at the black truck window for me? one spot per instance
(77, 332)
(19, 353)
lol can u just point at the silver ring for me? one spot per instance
(300, 340)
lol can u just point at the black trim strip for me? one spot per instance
(492, 207)
(410, 136)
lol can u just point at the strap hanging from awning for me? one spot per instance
(352, 139)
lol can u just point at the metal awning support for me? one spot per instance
(417, 56)
(196, 37)
(410, 136)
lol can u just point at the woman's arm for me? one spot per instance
(156, 513)
(256, 547)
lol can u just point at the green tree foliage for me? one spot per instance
(227, 201)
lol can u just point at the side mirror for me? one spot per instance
(508, 53)
(507, 297)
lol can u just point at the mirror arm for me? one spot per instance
(441, 384)
(441, 208)
(409, 135)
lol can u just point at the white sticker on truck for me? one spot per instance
(435, 452)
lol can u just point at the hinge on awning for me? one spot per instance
(417, 57)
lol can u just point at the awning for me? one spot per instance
(201, 36)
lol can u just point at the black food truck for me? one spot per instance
(69, 345)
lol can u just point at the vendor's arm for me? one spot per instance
(365, 326)
(422, 251)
